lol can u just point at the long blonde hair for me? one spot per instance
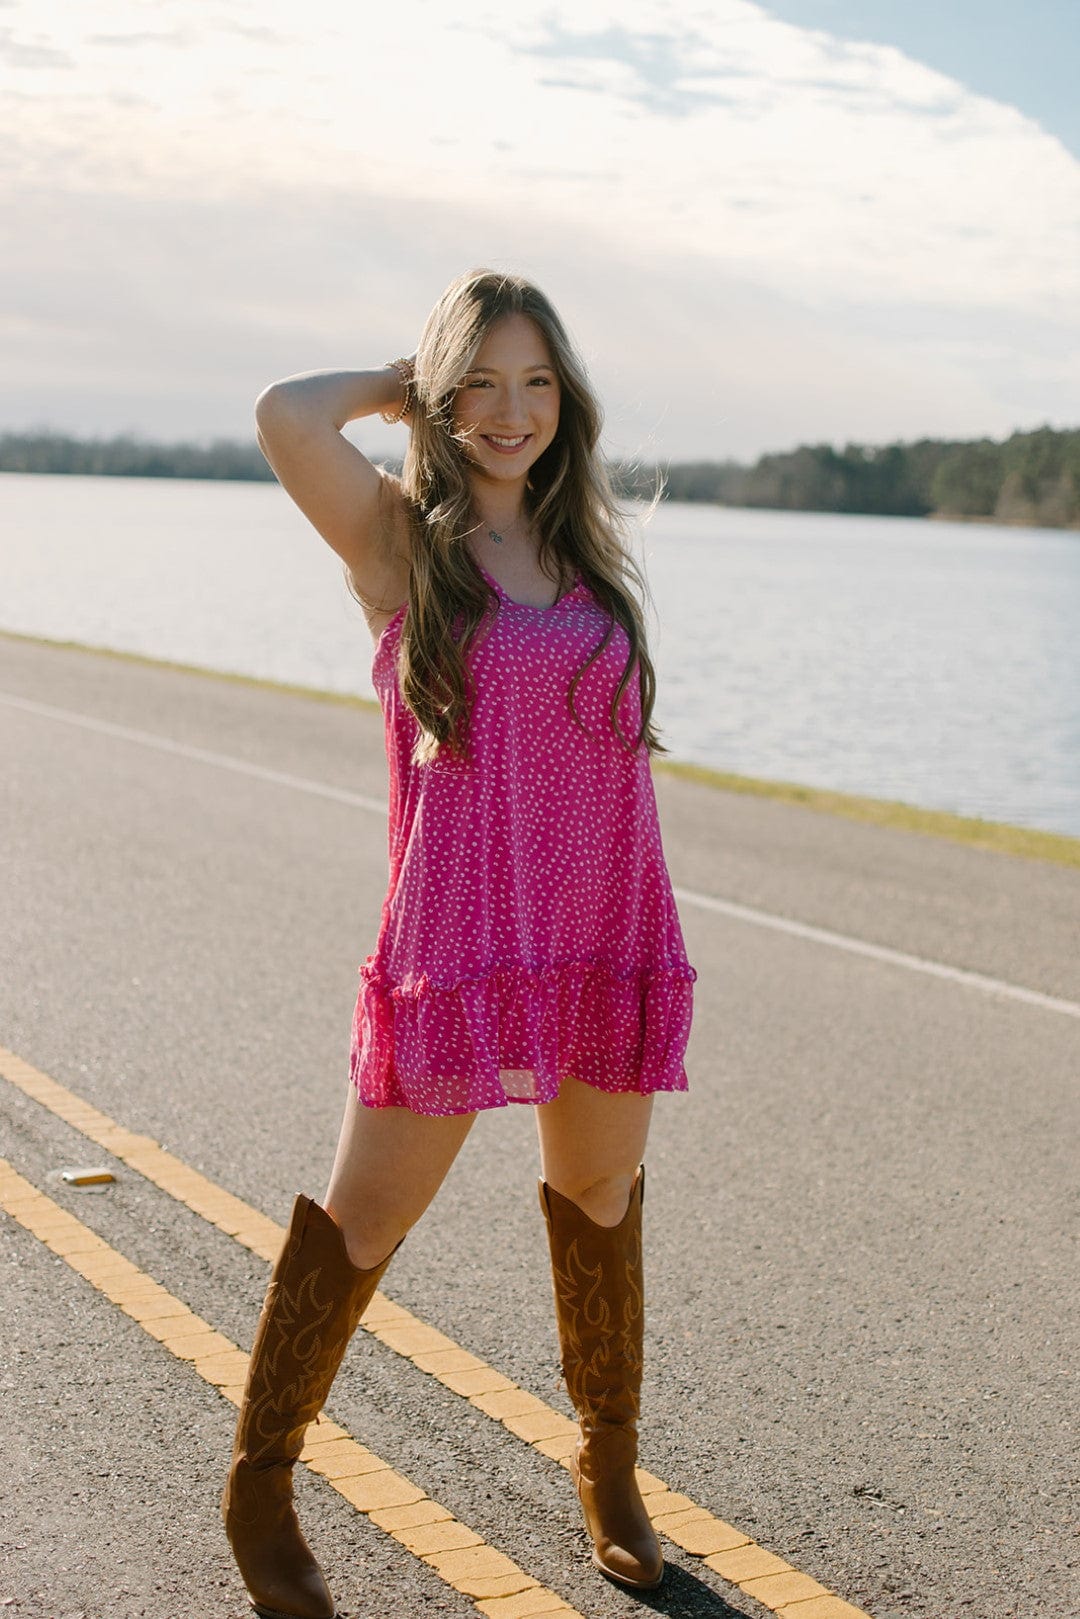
(570, 500)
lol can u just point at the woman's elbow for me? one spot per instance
(269, 405)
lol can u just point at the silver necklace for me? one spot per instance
(493, 533)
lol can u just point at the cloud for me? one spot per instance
(258, 33)
(658, 65)
(680, 71)
(171, 36)
(31, 53)
(182, 310)
(781, 185)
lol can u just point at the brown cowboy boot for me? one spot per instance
(599, 1304)
(313, 1306)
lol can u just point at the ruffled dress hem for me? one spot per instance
(525, 1030)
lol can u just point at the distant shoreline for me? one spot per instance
(1030, 480)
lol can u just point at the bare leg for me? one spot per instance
(389, 1165)
(591, 1143)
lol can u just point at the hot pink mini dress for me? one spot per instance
(529, 931)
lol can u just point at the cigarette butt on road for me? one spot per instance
(87, 1177)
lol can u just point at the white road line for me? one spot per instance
(183, 750)
(685, 896)
(878, 952)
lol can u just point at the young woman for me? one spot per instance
(529, 948)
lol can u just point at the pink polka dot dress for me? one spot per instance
(529, 931)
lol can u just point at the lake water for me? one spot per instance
(935, 663)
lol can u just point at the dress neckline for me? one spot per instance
(527, 607)
(576, 587)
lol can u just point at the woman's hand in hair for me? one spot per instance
(340, 492)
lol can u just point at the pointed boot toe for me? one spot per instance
(283, 1578)
(625, 1546)
(633, 1568)
(633, 1558)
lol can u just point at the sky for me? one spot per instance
(764, 224)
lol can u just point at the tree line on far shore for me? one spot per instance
(1030, 478)
(130, 457)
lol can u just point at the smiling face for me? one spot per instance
(508, 404)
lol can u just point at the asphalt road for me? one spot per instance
(860, 1221)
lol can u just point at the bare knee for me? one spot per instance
(389, 1165)
(371, 1235)
(604, 1199)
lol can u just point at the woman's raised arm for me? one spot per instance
(347, 499)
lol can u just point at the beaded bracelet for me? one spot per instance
(406, 371)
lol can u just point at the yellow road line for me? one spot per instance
(723, 1548)
(460, 1557)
